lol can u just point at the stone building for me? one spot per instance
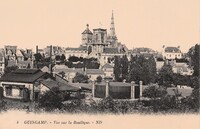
(171, 52)
(99, 44)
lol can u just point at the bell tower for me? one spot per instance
(86, 35)
(112, 38)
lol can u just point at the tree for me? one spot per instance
(73, 59)
(117, 69)
(195, 93)
(124, 66)
(38, 57)
(51, 100)
(165, 76)
(62, 58)
(154, 92)
(99, 79)
(152, 69)
(58, 57)
(142, 69)
(194, 54)
(10, 69)
(80, 78)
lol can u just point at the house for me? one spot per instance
(67, 73)
(108, 70)
(171, 52)
(50, 83)
(18, 57)
(81, 51)
(45, 69)
(94, 73)
(23, 84)
(181, 68)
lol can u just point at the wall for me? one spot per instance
(26, 85)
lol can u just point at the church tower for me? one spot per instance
(87, 35)
(112, 38)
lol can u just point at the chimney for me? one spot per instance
(36, 49)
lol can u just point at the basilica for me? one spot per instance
(99, 43)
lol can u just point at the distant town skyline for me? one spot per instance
(144, 23)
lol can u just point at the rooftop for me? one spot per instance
(107, 65)
(62, 86)
(172, 49)
(110, 50)
(23, 76)
(94, 71)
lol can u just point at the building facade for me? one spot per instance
(99, 44)
(171, 52)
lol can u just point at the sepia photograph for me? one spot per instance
(131, 64)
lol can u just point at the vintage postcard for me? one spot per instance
(131, 64)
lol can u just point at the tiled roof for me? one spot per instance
(81, 48)
(23, 76)
(110, 50)
(94, 71)
(62, 86)
(142, 49)
(82, 85)
(60, 67)
(87, 31)
(172, 49)
(69, 70)
(99, 29)
(107, 66)
(19, 53)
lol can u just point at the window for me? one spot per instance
(1, 58)
(1, 70)
(1, 64)
(8, 91)
(21, 92)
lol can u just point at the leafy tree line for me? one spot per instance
(137, 69)
(194, 55)
(90, 63)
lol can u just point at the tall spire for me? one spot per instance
(112, 26)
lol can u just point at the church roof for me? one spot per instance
(81, 48)
(110, 50)
(87, 31)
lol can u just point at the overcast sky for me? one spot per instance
(139, 23)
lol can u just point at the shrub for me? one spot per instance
(50, 100)
(154, 92)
